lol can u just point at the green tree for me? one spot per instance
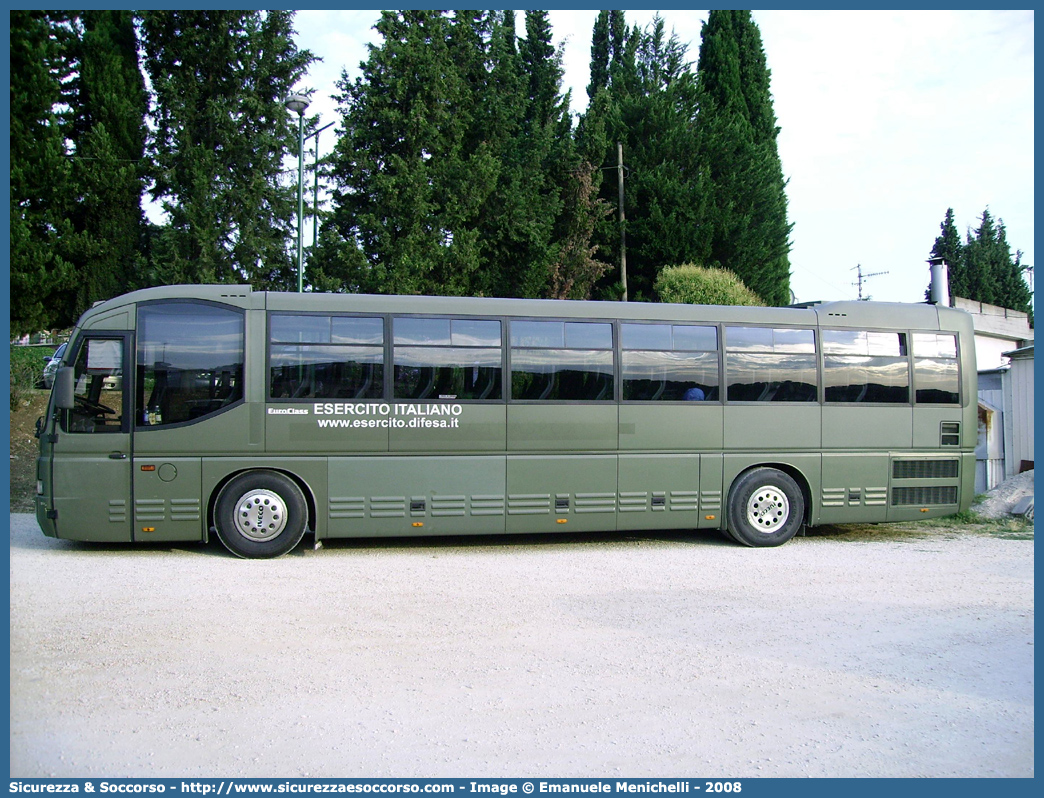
(549, 173)
(401, 169)
(41, 232)
(696, 285)
(745, 228)
(456, 157)
(982, 267)
(600, 55)
(576, 270)
(948, 245)
(643, 97)
(993, 275)
(221, 134)
(109, 102)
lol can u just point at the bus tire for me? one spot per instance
(765, 508)
(261, 514)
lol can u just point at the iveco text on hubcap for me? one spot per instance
(261, 515)
(768, 509)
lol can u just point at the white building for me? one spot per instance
(1004, 356)
(1006, 423)
(997, 330)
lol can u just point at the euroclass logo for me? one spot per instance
(288, 411)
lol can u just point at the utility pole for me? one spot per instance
(623, 232)
(860, 277)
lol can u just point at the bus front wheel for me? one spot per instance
(261, 514)
(766, 508)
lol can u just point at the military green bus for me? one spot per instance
(182, 412)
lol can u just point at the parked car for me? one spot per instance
(51, 366)
(53, 362)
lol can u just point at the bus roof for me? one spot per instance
(831, 314)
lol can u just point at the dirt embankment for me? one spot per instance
(24, 448)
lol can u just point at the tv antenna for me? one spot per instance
(860, 278)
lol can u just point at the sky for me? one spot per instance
(887, 118)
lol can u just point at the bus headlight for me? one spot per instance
(39, 487)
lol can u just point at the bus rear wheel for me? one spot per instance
(260, 514)
(766, 508)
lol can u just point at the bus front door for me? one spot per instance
(91, 449)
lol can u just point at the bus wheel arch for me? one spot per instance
(767, 505)
(261, 513)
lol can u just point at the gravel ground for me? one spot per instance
(658, 655)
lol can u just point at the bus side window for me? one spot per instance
(562, 361)
(98, 388)
(438, 358)
(669, 362)
(189, 361)
(865, 367)
(765, 364)
(325, 357)
(936, 372)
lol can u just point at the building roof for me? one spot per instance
(1023, 353)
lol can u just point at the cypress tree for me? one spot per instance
(649, 105)
(982, 268)
(994, 276)
(401, 171)
(221, 134)
(1013, 291)
(109, 104)
(41, 194)
(599, 69)
(983, 260)
(456, 152)
(746, 227)
(948, 246)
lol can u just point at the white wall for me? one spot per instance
(989, 351)
(1018, 390)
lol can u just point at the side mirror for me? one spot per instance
(64, 383)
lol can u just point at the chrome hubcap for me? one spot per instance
(768, 509)
(261, 515)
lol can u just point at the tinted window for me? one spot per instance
(97, 387)
(326, 372)
(669, 337)
(562, 375)
(934, 345)
(664, 362)
(562, 361)
(651, 376)
(861, 366)
(189, 362)
(866, 379)
(325, 357)
(447, 359)
(936, 373)
(767, 339)
(861, 342)
(770, 365)
(562, 334)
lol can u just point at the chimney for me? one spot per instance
(940, 284)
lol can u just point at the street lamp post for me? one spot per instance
(315, 193)
(297, 103)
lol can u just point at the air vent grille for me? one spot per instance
(924, 497)
(950, 433)
(924, 469)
